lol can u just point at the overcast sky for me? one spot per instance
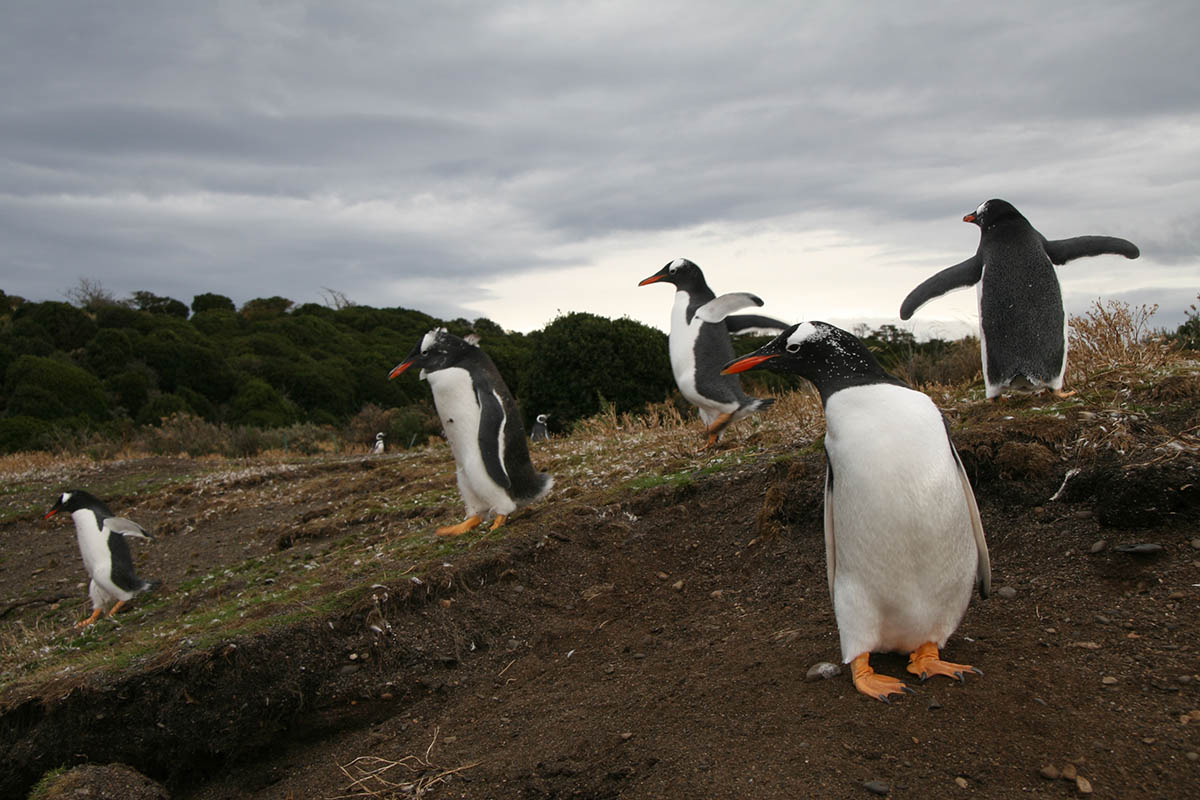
(518, 160)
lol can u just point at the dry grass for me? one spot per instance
(1115, 340)
(371, 776)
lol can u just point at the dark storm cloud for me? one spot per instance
(423, 149)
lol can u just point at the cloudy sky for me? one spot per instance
(518, 160)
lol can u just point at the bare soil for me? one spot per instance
(648, 644)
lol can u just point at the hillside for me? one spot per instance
(643, 633)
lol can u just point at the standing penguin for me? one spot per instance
(701, 324)
(483, 426)
(1023, 329)
(105, 554)
(540, 433)
(378, 448)
(903, 540)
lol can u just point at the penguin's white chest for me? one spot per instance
(93, 544)
(903, 547)
(682, 345)
(454, 397)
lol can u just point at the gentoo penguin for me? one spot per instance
(540, 434)
(1023, 328)
(378, 448)
(701, 324)
(903, 540)
(483, 426)
(105, 553)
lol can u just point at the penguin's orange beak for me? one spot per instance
(50, 513)
(746, 363)
(651, 279)
(971, 217)
(399, 369)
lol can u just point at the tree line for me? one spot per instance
(99, 364)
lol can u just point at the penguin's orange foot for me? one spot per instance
(83, 623)
(498, 521)
(924, 661)
(714, 430)
(115, 608)
(1061, 395)
(872, 684)
(458, 530)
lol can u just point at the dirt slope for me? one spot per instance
(656, 644)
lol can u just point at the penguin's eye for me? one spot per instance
(792, 347)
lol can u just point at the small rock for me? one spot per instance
(1085, 513)
(625, 737)
(1083, 784)
(1086, 645)
(1049, 772)
(717, 594)
(961, 781)
(1192, 755)
(1176, 595)
(934, 705)
(1007, 592)
(1139, 549)
(877, 787)
(1103, 620)
(822, 670)
(1097, 546)
(677, 585)
(1196, 544)
(1069, 773)
(662, 576)
(1108, 680)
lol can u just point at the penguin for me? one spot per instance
(540, 434)
(105, 554)
(1023, 328)
(904, 544)
(482, 425)
(378, 448)
(699, 342)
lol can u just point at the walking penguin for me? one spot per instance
(482, 425)
(699, 343)
(105, 554)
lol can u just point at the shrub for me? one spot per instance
(48, 389)
(24, 433)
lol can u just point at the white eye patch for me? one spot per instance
(66, 497)
(982, 208)
(803, 333)
(677, 263)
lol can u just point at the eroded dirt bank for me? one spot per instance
(657, 647)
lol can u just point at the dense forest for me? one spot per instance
(99, 366)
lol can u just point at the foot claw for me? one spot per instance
(908, 688)
(924, 661)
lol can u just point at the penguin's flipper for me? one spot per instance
(754, 325)
(492, 423)
(960, 276)
(830, 549)
(125, 527)
(1063, 250)
(983, 571)
(719, 308)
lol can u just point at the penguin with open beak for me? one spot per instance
(904, 543)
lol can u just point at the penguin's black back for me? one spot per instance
(1021, 309)
(526, 482)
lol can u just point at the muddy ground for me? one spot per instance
(655, 645)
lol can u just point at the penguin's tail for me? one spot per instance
(149, 586)
(757, 404)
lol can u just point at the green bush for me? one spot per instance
(47, 389)
(24, 433)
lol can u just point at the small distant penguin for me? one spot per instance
(904, 542)
(483, 426)
(105, 554)
(699, 342)
(1023, 328)
(540, 434)
(378, 448)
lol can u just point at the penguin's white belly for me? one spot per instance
(682, 346)
(97, 558)
(904, 551)
(454, 398)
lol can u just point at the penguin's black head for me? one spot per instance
(71, 501)
(437, 349)
(542, 418)
(826, 355)
(993, 212)
(683, 273)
